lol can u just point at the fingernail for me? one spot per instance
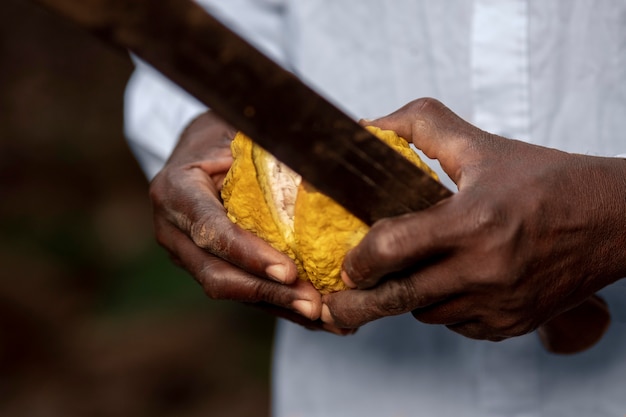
(303, 307)
(277, 272)
(326, 316)
(346, 280)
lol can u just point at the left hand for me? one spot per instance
(532, 233)
(229, 262)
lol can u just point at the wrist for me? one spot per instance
(607, 202)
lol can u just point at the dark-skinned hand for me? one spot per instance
(531, 233)
(229, 262)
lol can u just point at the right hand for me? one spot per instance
(503, 265)
(229, 262)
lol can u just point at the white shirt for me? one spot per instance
(546, 71)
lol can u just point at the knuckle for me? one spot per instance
(377, 251)
(387, 242)
(400, 298)
(430, 112)
(216, 278)
(427, 105)
(262, 290)
(202, 234)
(508, 325)
(212, 280)
(489, 216)
(423, 111)
(211, 233)
(504, 325)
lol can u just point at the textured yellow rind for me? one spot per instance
(244, 201)
(323, 230)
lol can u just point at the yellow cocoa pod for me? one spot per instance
(267, 198)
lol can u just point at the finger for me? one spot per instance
(242, 249)
(204, 138)
(217, 168)
(239, 247)
(217, 234)
(431, 287)
(394, 296)
(413, 240)
(224, 281)
(354, 308)
(193, 207)
(436, 130)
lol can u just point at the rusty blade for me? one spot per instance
(266, 102)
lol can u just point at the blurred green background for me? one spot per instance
(94, 320)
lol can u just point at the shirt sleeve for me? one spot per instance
(156, 111)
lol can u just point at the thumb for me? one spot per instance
(435, 130)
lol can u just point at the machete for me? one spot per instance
(286, 117)
(266, 102)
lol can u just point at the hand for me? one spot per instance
(229, 262)
(531, 233)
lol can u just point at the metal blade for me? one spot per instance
(266, 102)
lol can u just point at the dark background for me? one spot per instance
(94, 320)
